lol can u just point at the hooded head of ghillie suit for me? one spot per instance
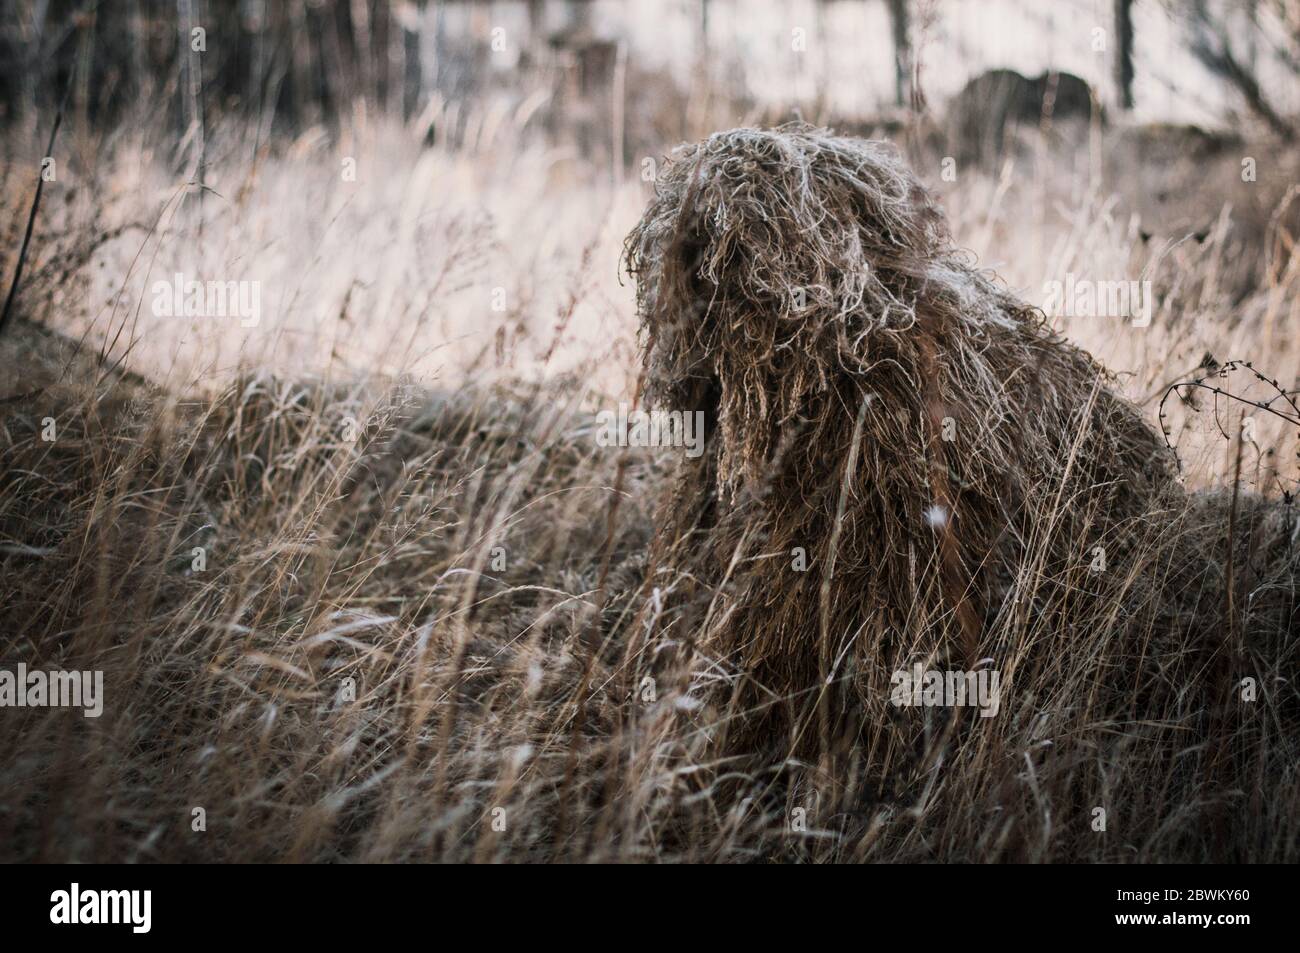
(891, 436)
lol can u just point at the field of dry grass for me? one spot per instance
(364, 586)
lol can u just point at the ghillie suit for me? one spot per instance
(903, 462)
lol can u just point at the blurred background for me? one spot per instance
(608, 74)
(441, 189)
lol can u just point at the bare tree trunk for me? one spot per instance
(193, 93)
(1124, 53)
(618, 96)
(1211, 43)
(299, 42)
(899, 29)
(362, 52)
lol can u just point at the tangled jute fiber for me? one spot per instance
(902, 459)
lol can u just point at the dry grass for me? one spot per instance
(584, 687)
